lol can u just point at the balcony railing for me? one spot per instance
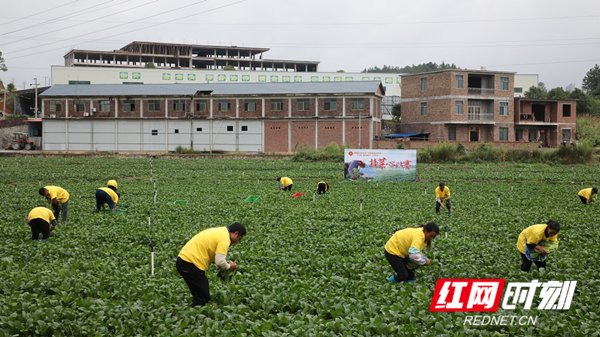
(481, 91)
(480, 116)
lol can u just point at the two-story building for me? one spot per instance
(248, 117)
(479, 106)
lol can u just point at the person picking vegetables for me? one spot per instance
(58, 197)
(404, 251)
(442, 196)
(108, 195)
(208, 246)
(42, 221)
(536, 242)
(286, 183)
(588, 195)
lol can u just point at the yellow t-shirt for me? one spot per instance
(203, 247)
(285, 181)
(41, 213)
(58, 193)
(442, 194)
(113, 195)
(586, 193)
(533, 235)
(403, 239)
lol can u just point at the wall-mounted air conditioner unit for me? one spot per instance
(86, 114)
(52, 115)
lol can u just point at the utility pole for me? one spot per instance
(36, 97)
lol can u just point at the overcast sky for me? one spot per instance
(557, 39)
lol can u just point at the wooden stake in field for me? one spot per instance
(361, 205)
(152, 262)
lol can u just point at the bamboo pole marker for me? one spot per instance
(498, 201)
(314, 197)
(152, 262)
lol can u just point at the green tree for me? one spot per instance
(397, 112)
(2, 64)
(412, 69)
(591, 81)
(150, 65)
(558, 93)
(537, 92)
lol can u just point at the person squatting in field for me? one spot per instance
(442, 197)
(588, 195)
(536, 242)
(404, 251)
(42, 221)
(208, 246)
(322, 187)
(108, 195)
(286, 183)
(58, 197)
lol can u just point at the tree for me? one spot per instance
(558, 93)
(150, 65)
(2, 64)
(397, 112)
(413, 69)
(591, 81)
(537, 92)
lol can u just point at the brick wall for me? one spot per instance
(247, 103)
(270, 104)
(365, 111)
(334, 104)
(135, 113)
(224, 108)
(303, 113)
(276, 136)
(353, 130)
(303, 134)
(329, 132)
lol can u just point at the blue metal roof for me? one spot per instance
(405, 135)
(270, 88)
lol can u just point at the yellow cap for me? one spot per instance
(112, 183)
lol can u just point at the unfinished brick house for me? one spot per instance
(462, 106)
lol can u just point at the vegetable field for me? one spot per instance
(309, 266)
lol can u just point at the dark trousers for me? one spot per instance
(399, 266)
(526, 263)
(287, 188)
(39, 226)
(61, 207)
(196, 280)
(103, 198)
(583, 200)
(321, 188)
(438, 205)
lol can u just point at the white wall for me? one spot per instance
(151, 135)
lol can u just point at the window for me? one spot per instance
(250, 105)
(230, 128)
(424, 109)
(179, 105)
(459, 81)
(518, 90)
(154, 105)
(503, 108)
(452, 133)
(55, 106)
(566, 110)
(459, 107)
(105, 106)
(518, 134)
(244, 127)
(176, 130)
(201, 106)
(128, 105)
(330, 104)
(276, 105)
(198, 129)
(79, 106)
(503, 134)
(504, 83)
(155, 132)
(303, 104)
(358, 104)
(224, 106)
(566, 134)
(424, 84)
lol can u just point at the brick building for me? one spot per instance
(479, 106)
(252, 117)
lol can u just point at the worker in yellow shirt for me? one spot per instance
(208, 246)
(404, 251)
(108, 195)
(322, 187)
(286, 183)
(42, 221)
(58, 197)
(588, 195)
(442, 197)
(536, 242)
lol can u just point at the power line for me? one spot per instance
(77, 24)
(56, 19)
(40, 12)
(134, 30)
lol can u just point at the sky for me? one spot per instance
(556, 39)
